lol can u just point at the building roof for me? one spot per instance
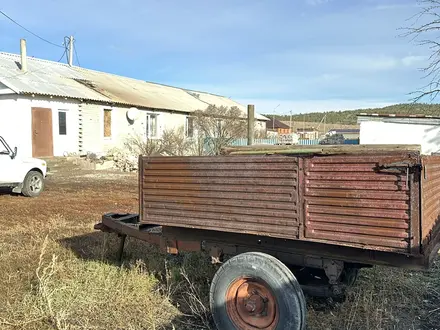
(392, 115)
(419, 119)
(50, 78)
(274, 123)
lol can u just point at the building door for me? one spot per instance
(42, 137)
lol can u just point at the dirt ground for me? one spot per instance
(56, 272)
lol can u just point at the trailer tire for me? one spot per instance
(256, 291)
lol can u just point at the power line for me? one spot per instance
(34, 34)
(76, 54)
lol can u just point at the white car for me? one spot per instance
(23, 175)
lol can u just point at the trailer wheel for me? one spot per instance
(256, 291)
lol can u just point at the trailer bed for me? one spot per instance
(377, 200)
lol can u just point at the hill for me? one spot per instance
(348, 117)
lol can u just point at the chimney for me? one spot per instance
(23, 55)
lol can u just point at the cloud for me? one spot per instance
(339, 61)
(412, 60)
(302, 106)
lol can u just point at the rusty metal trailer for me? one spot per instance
(293, 220)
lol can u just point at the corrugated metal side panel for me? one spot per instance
(347, 201)
(430, 182)
(240, 194)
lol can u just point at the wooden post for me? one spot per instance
(251, 124)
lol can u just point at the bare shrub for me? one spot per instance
(172, 143)
(219, 126)
(137, 144)
(175, 143)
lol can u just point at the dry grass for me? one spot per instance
(384, 298)
(46, 286)
(56, 272)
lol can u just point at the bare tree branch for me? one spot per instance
(219, 126)
(423, 30)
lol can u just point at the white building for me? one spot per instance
(52, 108)
(401, 129)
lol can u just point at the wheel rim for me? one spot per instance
(251, 305)
(35, 184)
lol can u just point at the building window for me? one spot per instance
(189, 127)
(107, 123)
(151, 127)
(62, 123)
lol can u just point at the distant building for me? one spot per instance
(401, 129)
(308, 133)
(348, 133)
(274, 125)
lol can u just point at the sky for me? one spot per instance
(282, 55)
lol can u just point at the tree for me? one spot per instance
(219, 126)
(424, 31)
(175, 143)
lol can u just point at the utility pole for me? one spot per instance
(290, 124)
(273, 117)
(71, 51)
(251, 124)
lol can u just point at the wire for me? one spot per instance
(40, 69)
(76, 54)
(36, 35)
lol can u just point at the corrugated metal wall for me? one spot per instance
(348, 202)
(242, 194)
(430, 186)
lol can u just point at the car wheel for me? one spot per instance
(33, 184)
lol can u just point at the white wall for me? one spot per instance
(93, 126)
(376, 132)
(16, 123)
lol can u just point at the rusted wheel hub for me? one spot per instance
(251, 305)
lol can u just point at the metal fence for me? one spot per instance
(351, 141)
(243, 142)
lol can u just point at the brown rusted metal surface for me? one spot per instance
(352, 200)
(430, 187)
(241, 194)
(296, 252)
(251, 305)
